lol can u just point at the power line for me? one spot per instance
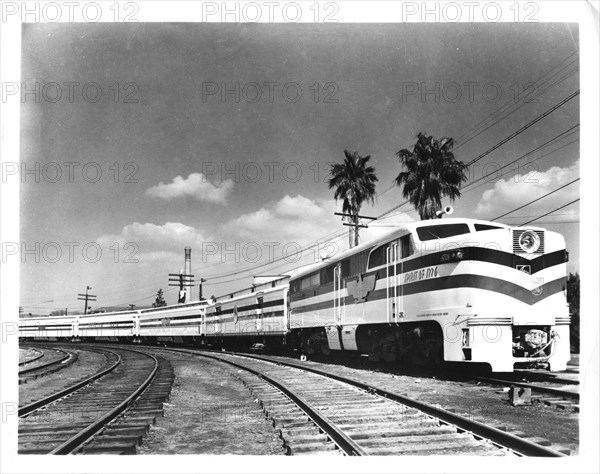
(473, 132)
(548, 213)
(509, 103)
(534, 93)
(502, 142)
(543, 145)
(525, 127)
(535, 200)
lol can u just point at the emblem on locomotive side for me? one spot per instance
(361, 287)
(524, 269)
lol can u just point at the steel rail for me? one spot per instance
(544, 377)
(499, 437)
(27, 409)
(76, 441)
(67, 356)
(29, 361)
(342, 440)
(535, 388)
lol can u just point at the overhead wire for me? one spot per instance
(535, 200)
(548, 213)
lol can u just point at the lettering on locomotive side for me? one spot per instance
(421, 274)
(102, 325)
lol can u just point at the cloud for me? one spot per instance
(301, 220)
(298, 219)
(196, 185)
(155, 242)
(382, 227)
(513, 192)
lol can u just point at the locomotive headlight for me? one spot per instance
(452, 256)
(529, 241)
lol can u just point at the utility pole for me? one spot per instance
(354, 224)
(182, 281)
(87, 297)
(202, 280)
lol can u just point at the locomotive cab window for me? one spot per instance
(481, 227)
(327, 274)
(377, 257)
(442, 231)
(406, 249)
(305, 283)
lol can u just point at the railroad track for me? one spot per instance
(38, 355)
(551, 394)
(568, 377)
(321, 412)
(108, 413)
(50, 361)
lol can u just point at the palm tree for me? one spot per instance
(354, 183)
(431, 173)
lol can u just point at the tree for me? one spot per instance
(354, 183)
(573, 300)
(432, 173)
(160, 301)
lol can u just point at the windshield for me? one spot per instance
(441, 231)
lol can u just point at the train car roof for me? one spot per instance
(397, 231)
(246, 293)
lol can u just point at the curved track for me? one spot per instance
(108, 414)
(39, 354)
(49, 362)
(317, 412)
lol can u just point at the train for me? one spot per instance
(425, 293)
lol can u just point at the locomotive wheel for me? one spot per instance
(389, 352)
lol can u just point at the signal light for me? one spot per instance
(454, 256)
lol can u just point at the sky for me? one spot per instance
(219, 136)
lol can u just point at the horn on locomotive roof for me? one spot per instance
(447, 210)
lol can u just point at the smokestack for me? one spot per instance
(188, 261)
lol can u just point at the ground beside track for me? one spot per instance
(209, 412)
